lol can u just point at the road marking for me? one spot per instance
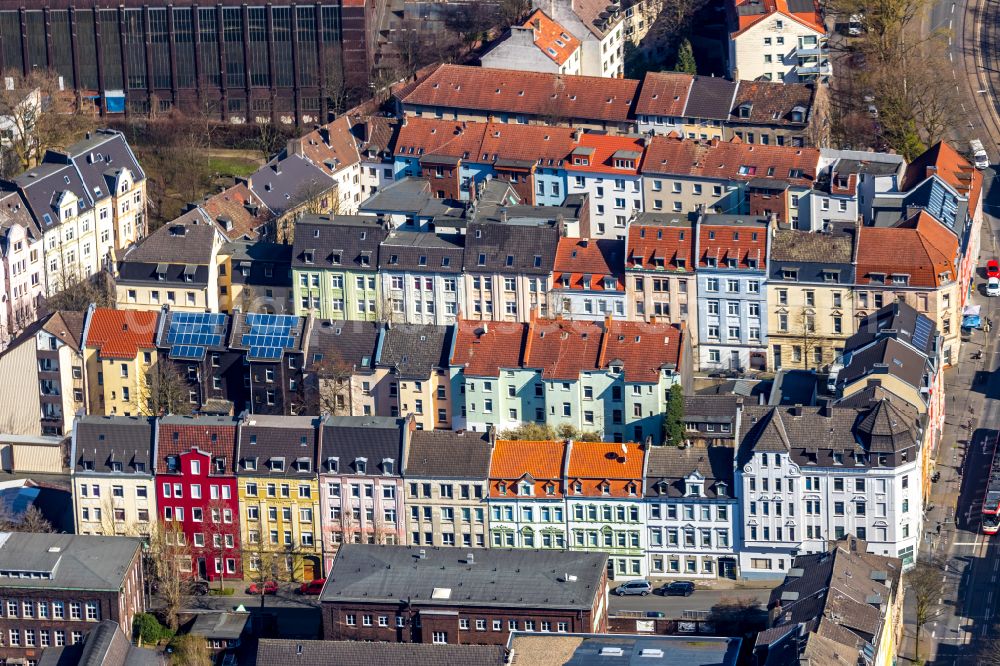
(949, 24)
(953, 8)
(968, 543)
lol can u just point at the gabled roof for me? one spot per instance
(606, 153)
(120, 334)
(342, 346)
(796, 246)
(542, 460)
(284, 183)
(485, 348)
(14, 211)
(331, 147)
(920, 248)
(238, 212)
(350, 242)
(213, 435)
(531, 93)
(551, 37)
(945, 162)
(375, 438)
(579, 257)
(606, 461)
(664, 94)
(772, 102)
(105, 439)
(645, 349)
(710, 97)
(448, 454)
(731, 160)
(66, 325)
(563, 349)
(671, 465)
(511, 248)
(414, 351)
(189, 239)
(282, 652)
(723, 237)
(292, 439)
(100, 155)
(897, 320)
(660, 241)
(73, 561)
(886, 356)
(418, 251)
(751, 12)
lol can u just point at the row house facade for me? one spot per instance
(89, 203)
(119, 354)
(777, 40)
(537, 45)
(276, 472)
(691, 510)
(198, 494)
(732, 254)
(111, 461)
(587, 283)
(806, 475)
(612, 378)
(445, 477)
(22, 256)
(45, 376)
(360, 481)
(421, 277)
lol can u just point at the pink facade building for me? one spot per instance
(360, 481)
(22, 280)
(196, 491)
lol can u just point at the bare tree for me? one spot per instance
(263, 563)
(190, 650)
(216, 531)
(76, 292)
(330, 387)
(247, 301)
(925, 584)
(169, 568)
(164, 391)
(31, 520)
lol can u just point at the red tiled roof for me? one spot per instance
(195, 436)
(730, 160)
(531, 93)
(602, 156)
(951, 167)
(511, 460)
(122, 333)
(486, 347)
(745, 242)
(577, 257)
(809, 19)
(592, 463)
(563, 349)
(664, 94)
(653, 243)
(920, 247)
(331, 147)
(234, 204)
(643, 348)
(551, 37)
(535, 143)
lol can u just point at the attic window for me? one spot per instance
(335, 258)
(482, 259)
(332, 464)
(795, 173)
(538, 260)
(393, 259)
(422, 261)
(510, 260)
(746, 170)
(445, 262)
(745, 109)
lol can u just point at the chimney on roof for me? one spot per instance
(537, 23)
(797, 410)
(125, 327)
(276, 167)
(577, 133)
(826, 407)
(324, 133)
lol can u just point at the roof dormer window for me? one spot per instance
(332, 464)
(745, 109)
(361, 465)
(526, 488)
(388, 466)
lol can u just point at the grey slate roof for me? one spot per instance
(499, 578)
(106, 439)
(900, 321)
(101, 156)
(104, 645)
(340, 344)
(531, 248)
(42, 186)
(812, 434)
(81, 563)
(421, 252)
(257, 257)
(347, 241)
(710, 97)
(278, 652)
(449, 454)
(413, 196)
(711, 408)
(671, 465)
(284, 184)
(415, 350)
(375, 438)
(186, 240)
(292, 439)
(886, 356)
(812, 254)
(221, 626)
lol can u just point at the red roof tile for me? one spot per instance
(576, 257)
(563, 349)
(745, 242)
(197, 435)
(811, 19)
(950, 166)
(551, 37)
(331, 147)
(121, 333)
(664, 94)
(920, 247)
(643, 348)
(654, 246)
(731, 160)
(605, 153)
(511, 460)
(486, 347)
(532, 93)
(238, 212)
(592, 463)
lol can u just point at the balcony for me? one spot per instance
(811, 69)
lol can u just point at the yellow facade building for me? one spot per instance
(119, 353)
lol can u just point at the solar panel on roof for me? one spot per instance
(922, 332)
(187, 352)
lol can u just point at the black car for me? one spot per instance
(678, 588)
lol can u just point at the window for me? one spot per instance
(439, 637)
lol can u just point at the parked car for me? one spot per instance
(313, 586)
(641, 587)
(993, 287)
(267, 587)
(678, 588)
(199, 586)
(993, 268)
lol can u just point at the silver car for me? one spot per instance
(641, 587)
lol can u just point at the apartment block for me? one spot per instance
(119, 354)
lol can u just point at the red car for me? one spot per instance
(992, 268)
(313, 586)
(268, 587)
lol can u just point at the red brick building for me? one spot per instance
(461, 596)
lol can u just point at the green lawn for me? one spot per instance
(232, 166)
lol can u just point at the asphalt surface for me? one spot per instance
(673, 607)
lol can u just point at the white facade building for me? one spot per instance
(778, 40)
